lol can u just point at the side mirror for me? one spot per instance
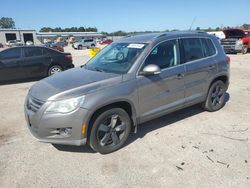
(151, 69)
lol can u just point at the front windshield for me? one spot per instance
(116, 58)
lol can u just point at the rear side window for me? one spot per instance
(88, 40)
(192, 49)
(11, 53)
(211, 48)
(32, 52)
(47, 51)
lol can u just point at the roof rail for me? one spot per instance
(162, 35)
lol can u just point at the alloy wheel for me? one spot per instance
(217, 96)
(111, 131)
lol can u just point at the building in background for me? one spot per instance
(23, 35)
(67, 36)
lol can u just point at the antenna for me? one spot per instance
(192, 23)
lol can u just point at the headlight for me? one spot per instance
(65, 106)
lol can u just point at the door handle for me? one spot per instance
(179, 76)
(211, 67)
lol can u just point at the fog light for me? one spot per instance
(65, 131)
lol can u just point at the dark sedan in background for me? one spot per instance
(32, 62)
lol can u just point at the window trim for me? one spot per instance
(178, 50)
(193, 61)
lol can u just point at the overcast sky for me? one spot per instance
(127, 15)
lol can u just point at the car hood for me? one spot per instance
(72, 83)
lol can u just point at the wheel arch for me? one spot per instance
(123, 104)
(224, 78)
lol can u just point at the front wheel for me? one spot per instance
(215, 97)
(244, 49)
(110, 130)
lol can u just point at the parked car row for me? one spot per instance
(55, 46)
(32, 62)
(13, 43)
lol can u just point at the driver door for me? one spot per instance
(162, 93)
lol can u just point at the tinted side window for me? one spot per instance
(90, 40)
(11, 53)
(164, 55)
(32, 52)
(47, 51)
(192, 49)
(211, 48)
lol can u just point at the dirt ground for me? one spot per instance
(188, 148)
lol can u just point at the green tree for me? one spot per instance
(198, 28)
(7, 23)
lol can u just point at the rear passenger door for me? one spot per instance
(33, 62)
(198, 58)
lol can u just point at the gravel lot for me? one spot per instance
(189, 148)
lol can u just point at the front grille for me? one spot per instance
(34, 104)
(230, 42)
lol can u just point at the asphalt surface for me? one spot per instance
(188, 148)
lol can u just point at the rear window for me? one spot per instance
(207, 47)
(47, 51)
(211, 47)
(192, 49)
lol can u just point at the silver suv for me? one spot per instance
(84, 43)
(129, 82)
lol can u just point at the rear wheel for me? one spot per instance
(215, 97)
(110, 130)
(54, 69)
(79, 47)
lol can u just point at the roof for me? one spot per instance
(150, 37)
(53, 34)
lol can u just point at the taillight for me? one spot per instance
(68, 58)
(228, 60)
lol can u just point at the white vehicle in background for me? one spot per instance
(29, 43)
(12, 43)
(219, 34)
(89, 43)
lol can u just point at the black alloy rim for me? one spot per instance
(217, 96)
(111, 131)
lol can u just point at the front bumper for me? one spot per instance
(45, 127)
(232, 48)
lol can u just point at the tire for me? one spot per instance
(92, 45)
(79, 47)
(216, 97)
(244, 49)
(110, 130)
(54, 69)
